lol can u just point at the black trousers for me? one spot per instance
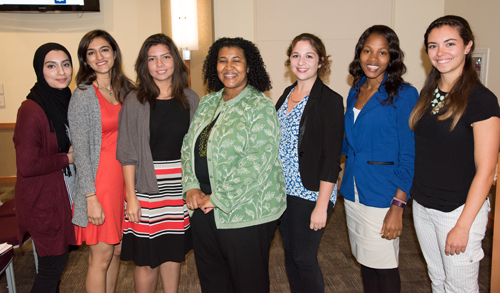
(301, 246)
(50, 269)
(231, 260)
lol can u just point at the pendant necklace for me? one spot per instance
(110, 90)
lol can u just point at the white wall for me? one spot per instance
(484, 20)
(338, 23)
(129, 21)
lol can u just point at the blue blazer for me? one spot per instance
(380, 147)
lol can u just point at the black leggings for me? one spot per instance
(50, 269)
(381, 280)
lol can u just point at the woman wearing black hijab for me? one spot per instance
(45, 171)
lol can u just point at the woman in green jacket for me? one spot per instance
(231, 171)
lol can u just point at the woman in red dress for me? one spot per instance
(99, 187)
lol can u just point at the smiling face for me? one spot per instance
(57, 69)
(447, 51)
(304, 61)
(374, 57)
(232, 68)
(160, 64)
(100, 56)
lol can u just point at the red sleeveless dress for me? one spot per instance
(110, 187)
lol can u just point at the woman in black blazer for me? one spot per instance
(311, 117)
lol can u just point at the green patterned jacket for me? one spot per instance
(248, 186)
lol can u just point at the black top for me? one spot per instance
(168, 123)
(201, 164)
(444, 160)
(321, 134)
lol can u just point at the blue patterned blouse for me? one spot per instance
(289, 124)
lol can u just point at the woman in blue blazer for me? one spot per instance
(380, 151)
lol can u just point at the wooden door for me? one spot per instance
(495, 258)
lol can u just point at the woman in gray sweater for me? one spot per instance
(153, 122)
(99, 188)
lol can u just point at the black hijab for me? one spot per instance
(54, 102)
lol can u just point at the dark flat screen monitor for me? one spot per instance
(49, 5)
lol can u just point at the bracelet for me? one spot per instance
(398, 203)
(90, 195)
(400, 200)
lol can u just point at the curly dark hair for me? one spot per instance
(318, 47)
(395, 69)
(257, 75)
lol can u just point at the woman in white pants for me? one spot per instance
(457, 137)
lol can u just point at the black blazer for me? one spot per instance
(321, 133)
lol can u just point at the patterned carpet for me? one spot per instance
(340, 270)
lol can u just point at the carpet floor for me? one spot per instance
(340, 269)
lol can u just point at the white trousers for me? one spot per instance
(450, 273)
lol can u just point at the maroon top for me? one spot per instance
(42, 204)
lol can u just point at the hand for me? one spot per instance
(70, 155)
(318, 218)
(95, 213)
(393, 223)
(133, 210)
(206, 205)
(193, 198)
(456, 241)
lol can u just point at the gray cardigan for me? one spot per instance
(133, 140)
(84, 116)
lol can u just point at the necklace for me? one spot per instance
(364, 97)
(438, 101)
(206, 132)
(300, 99)
(110, 90)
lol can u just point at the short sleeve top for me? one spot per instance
(444, 159)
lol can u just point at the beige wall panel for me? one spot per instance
(411, 20)
(129, 21)
(338, 23)
(483, 17)
(332, 19)
(234, 18)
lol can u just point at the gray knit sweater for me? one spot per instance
(84, 116)
(133, 139)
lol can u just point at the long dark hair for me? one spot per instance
(119, 81)
(147, 90)
(257, 75)
(456, 101)
(318, 47)
(395, 69)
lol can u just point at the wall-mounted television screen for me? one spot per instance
(49, 5)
